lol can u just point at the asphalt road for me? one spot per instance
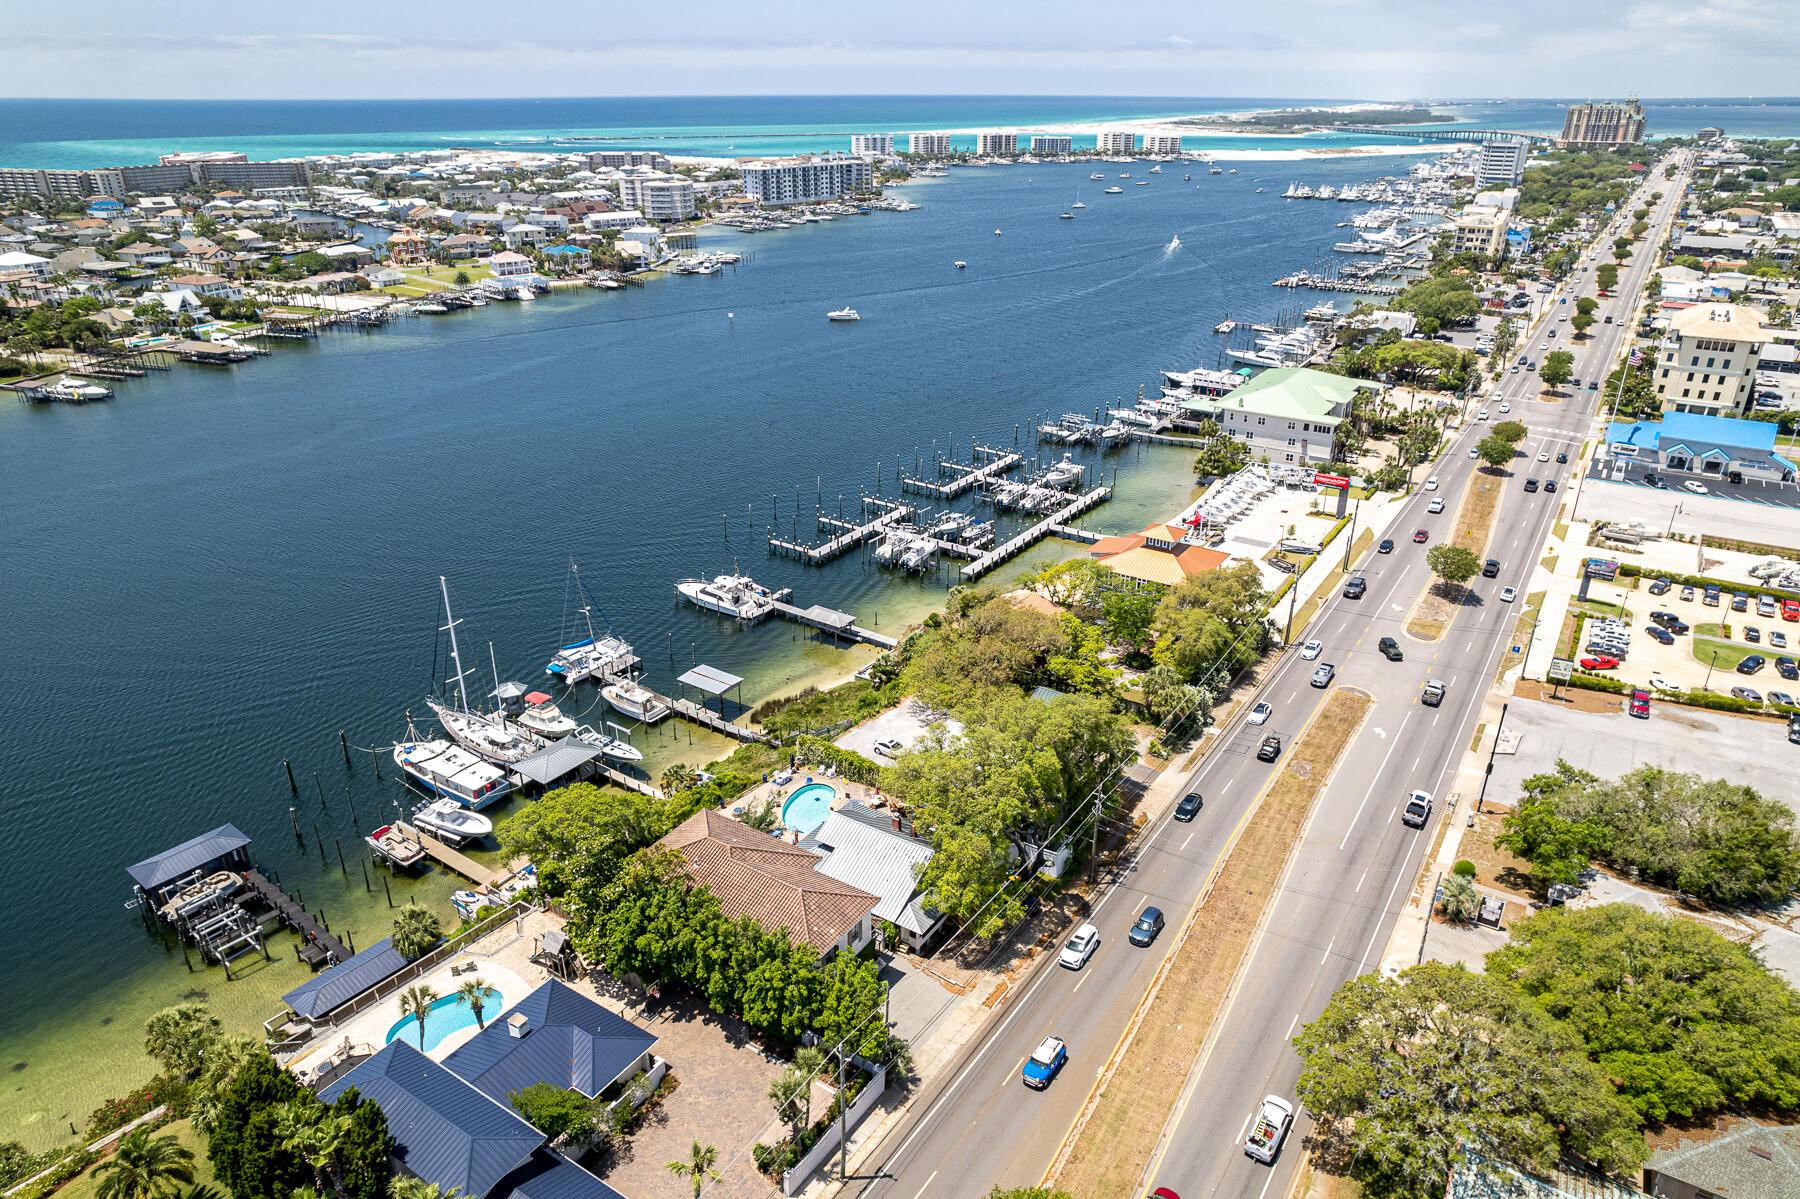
(981, 1126)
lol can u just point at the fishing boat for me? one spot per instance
(738, 596)
(396, 845)
(961, 265)
(843, 314)
(430, 308)
(639, 703)
(1068, 216)
(76, 391)
(1115, 433)
(449, 821)
(1225, 326)
(1064, 474)
(1175, 242)
(448, 770)
(543, 717)
(611, 747)
(1113, 191)
(580, 660)
(1096, 175)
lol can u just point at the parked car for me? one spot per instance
(1386, 546)
(1270, 749)
(1354, 587)
(1079, 947)
(1603, 662)
(1259, 713)
(1787, 668)
(1782, 698)
(1417, 810)
(1149, 924)
(1652, 479)
(1421, 536)
(1790, 609)
(1189, 807)
(1752, 633)
(1777, 638)
(1659, 587)
(1695, 486)
(1666, 686)
(1660, 634)
(1390, 649)
(1740, 602)
(1312, 649)
(1751, 664)
(1049, 1057)
(1746, 693)
(1765, 606)
(1687, 591)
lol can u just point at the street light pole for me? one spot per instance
(1492, 750)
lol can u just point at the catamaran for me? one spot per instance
(584, 659)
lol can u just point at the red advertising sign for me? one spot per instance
(1331, 480)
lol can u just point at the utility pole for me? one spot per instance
(1352, 539)
(1094, 848)
(1287, 635)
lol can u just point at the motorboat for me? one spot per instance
(487, 736)
(996, 233)
(1064, 474)
(448, 770)
(396, 845)
(430, 308)
(1096, 175)
(738, 596)
(1113, 191)
(200, 894)
(1142, 183)
(543, 717)
(961, 265)
(468, 904)
(76, 391)
(1157, 169)
(611, 747)
(1115, 433)
(450, 821)
(1124, 174)
(1068, 216)
(843, 314)
(639, 703)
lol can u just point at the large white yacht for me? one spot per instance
(738, 596)
(639, 703)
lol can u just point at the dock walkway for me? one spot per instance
(449, 858)
(1052, 524)
(689, 710)
(854, 534)
(838, 624)
(968, 475)
(318, 946)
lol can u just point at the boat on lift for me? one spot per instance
(639, 703)
(397, 845)
(449, 821)
(611, 747)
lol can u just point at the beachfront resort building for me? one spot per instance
(1599, 124)
(1288, 414)
(998, 142)
(1155, 143)
(1502, 161)
(658, 197)
(1708, 360)
(929, 143)
(872, 145)
(1115, 142)
(602, 159)
(1051, 143)
(799, 180)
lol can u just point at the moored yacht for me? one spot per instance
(639, 703)
(843, 314)
(1113, 191)
(485, 736)
(543, 717)
(738, 596)
(450, 821)
(452, 772)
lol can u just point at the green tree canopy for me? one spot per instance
(557, 1112)
(178, 1038)
(1128, 616)
(582, 832)
(1437, 1060)
(246, 1154)
(1452, 563)
(144, 1166)
(1511, 431)
(1221, 455)
(1686, 1022)
(1445, 299)
(1213, 624)
(416, 930)
(1557, 367)
(1586, 305)
(1496, 451)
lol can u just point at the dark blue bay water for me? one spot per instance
(223, 567)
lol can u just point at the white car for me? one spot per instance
(1543, 455)
(1508, 595)
(1312, 649)
(1505, 405)
(1436, 505)
(1658, 683)
(1431, 484)
(1260, 713)
(1695, 487)
(1080, 947)
(1417, 811)
(1482, 415)
(1474, 453)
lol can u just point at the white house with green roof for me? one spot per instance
(1285, 414)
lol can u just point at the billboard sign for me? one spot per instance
(1600, 568)
(1330, 480)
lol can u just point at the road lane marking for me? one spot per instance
(1416, 762)
(1184, 844)
(927, 1185)
(1292, 1027)
(1401, 877)
(1323, 958)
(1077, 986)
(1363, 879)
(1372, 781)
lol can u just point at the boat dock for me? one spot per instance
(838, 624)
(1052, 525)
(851, 533)
(687, 709)
(318, 947)
(450, 859)
(989, 463)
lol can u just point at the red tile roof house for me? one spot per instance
(773, 883)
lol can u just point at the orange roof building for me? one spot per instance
(1156, 556)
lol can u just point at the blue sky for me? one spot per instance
(1373, 49)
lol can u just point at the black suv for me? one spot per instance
(1189, 807)
(1490, 569)
(1355, 586)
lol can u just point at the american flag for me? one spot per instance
(1637, 356)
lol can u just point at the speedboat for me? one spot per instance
(1142, 183)
(611, 747)
(1113, 191)
(961, 265)
(843, 314)
(77, 391)
(544, 718)
(1096, 175)
(200, 894)
(1064, 473)
(1068, 216)
(451, 772)
(396, 845)
(639, 703)
(996, 233)
(451, 821)
(738, 596)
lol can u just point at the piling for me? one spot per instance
(294, 819)
(344, 744)
(340, 852)
(321, 789)
(289, 767)
(388, 891)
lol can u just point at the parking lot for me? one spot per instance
(1677, 663)
(1751, 491)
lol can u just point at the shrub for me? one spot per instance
(1460, 901)
(116, 1113)
(1465, 868)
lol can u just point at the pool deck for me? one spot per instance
(770, 793)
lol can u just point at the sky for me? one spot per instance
(1355, 49)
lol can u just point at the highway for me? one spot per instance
(1331, 919)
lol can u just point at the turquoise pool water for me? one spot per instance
(447, 1015)
(806, 809)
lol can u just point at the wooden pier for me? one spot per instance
(1051, 525)
(965, 475)
(318, 947)
(707, 718)
(852, 533)
(838, 624)
(450, 859)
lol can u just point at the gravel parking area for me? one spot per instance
(905, 723)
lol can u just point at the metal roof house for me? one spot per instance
(876, 852)
(555, 1035)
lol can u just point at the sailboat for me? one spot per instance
(1078, 203)
(485, 736)
(583, 659)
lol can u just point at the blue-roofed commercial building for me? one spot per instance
(1720, 446)
(555, 1035)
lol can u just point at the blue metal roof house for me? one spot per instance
(555, 1035)
(1721, 446)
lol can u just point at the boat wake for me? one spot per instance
(1174, 245)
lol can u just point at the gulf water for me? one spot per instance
(223, 567)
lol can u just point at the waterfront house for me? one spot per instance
(1287, 414)
(383, 276)
(509, 264)
(880, 853)
(142, 253)
(348, 254)
(524, 235)
(466, 245)
(31, 265)
(567, 259)
(634, 254)
(406, 248)
(214, 286)
(1155, 557)
(328, 282)
(774, 883)
(177, 302)
(598, 222)
(308, 224)
(554, 1035)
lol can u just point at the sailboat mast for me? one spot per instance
(495, 666)
(586, 609)
(450, 625)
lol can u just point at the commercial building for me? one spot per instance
(997, 143)
(1502, 161)
(1155, 143)
(1115, 142)
(1721, 446)
(1051, 143)
(628, 158)
(798, 180)
(1707, 361)
(929, 143)
(58, 185)
(1288, 414)
(872, 144)
(167, 175)
(1599, 124)
(1156, 557)
(1480, 229)
(1711, 133)
(659, 197)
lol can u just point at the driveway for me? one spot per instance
(905, 723)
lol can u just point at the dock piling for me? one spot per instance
(387, 890)
(292, 785)
(294, 819)
(321, 789)
(340, 852)
(344, 744)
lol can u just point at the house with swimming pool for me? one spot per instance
(880, 853)
(776, 884)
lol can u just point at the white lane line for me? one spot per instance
(1263, 1194)
(1363, 879)
(1184, 844)
(1377, 775)
(1077, 986)
(1323, 958)
(1292, 1027)
(1437, 718)
(1245, 1130)
(1416, 762)
(927, 1185)
(1399, 878)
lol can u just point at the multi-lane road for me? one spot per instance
(1334, 913)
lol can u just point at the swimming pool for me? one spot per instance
(447, 1015)
(806, 809)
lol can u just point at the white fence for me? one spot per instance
(794, 1179)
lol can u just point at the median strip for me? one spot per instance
(1109, 1146)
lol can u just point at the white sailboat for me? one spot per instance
(486, 736)
(580, 660)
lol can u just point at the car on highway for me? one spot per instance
(1787, 668)
(1417, 809)
(1513, 370)
(1163, 1193)
(1270, 749)
(1431, 484)
(1149, 924)
(1639, 704)
(1390, 649)
(1549, 486)
(1421, 536)
(1782, 698)
(1354, 587)
(1433, 694)
(1189, 807)
(1386, 546)
(1531, 484)
(1079, 947)
(1602, 662)
(1474, 453)
(1562, 456)
(1490, 569)
(1269, 1125)
(1312, 649)
(1746, 693)
(1322, 676)
(1695, 486)
(1483, 414)
(1506, 405)
(1049, 1057)
(1436, 505)
(1660, 634)
(1751, 664)
(1543, 455)
(1259, 713)
(1508, 594)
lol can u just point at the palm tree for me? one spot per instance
(144, 1167)
(313, 1132)
(408, 1186)
(698, 1167)
(415, 930)
(416, 1002)
(476, 993)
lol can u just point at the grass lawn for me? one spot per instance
(1722, 655)
(1599, 608)
(84, 1185)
